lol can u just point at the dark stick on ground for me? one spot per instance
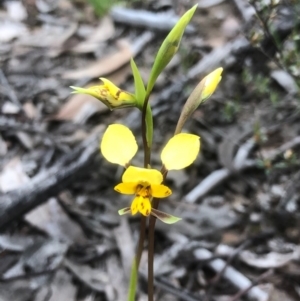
(16, 203)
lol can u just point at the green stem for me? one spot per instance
(139, 250)
(136, 261)
(133, 281)
(152, 221)
(147, 131)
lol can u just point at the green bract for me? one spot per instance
(169, 48)
(140, 91)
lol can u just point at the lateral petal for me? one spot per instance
(118, 144)
(180, 151)
(126, 188)
(160, 191)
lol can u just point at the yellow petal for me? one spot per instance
(135, 205)
(211, 82)
(160, 191)
(180, 151)
(118, 144)
(144, 206)
(138, 175)
(126, 188)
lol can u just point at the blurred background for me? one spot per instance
(61, 237)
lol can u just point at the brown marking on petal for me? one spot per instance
(118, 190)
(103, 92)
(118, 93)
(138, 188)
(167, 192)
(142, 205)
(147, 212)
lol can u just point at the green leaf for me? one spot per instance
(169, 48)
(101, 7)
(140, 91)
(125, 210)
(165, 217)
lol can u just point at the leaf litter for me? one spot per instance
(242, 192)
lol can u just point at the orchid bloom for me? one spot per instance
(119, 146)
(112, 96)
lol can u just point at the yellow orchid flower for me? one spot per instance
(109, 94)
(119, 146)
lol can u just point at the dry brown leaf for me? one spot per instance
(16, 10)
(3, 147)
(52, 219)
(125, 244)
(116, 280)
(10, 108)
(62, 287)
(50, 37)
(104, 31)
(267, 261)
(94, 278)
(13, 175)
(10, 30)
(118, 77)
(105, 65)
(79, 108)
(26, 139)
(30, 110)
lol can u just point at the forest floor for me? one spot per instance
(61, 235)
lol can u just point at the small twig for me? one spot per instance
(169, 288)
(28, 275)
(147, 19)
(245, 9)
(228, 262)
(256, 282)
(267, 29)
(177, 292)
(10, 92)
(232, 275)
(240, 162)
(9, 124)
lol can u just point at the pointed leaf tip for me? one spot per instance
(165, 217)
(169, 47)
(123, 211)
